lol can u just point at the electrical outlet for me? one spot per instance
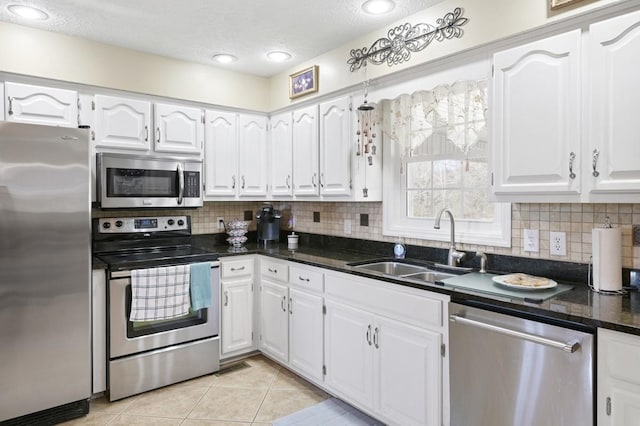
(558, 243)
(347, 226)
(220, 222)
(531, 240)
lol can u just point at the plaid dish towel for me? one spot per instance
(159, 293)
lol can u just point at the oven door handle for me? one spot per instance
(180, 183)
(569, 347)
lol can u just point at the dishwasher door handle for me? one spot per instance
(569, 347)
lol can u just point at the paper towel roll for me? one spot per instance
(607, 258)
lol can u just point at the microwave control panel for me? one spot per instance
(191, 184)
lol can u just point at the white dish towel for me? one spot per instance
(159, 293)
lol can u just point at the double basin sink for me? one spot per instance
(397, 269)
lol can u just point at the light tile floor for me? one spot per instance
(256, 395)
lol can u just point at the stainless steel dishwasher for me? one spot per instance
(511, 371)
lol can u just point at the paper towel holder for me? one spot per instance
(620, 292)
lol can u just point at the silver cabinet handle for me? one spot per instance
(226, 298)
(608, 406)
(368, 335)
(93, 135)
(376, 340)
(273, 271)
(595, 156)
(288, 181)
(572, 158)
(290, 306)
(301, 278)
(321, 179)
(10, 112)
(146, 133)
(313, 180)
(242, 181)
(233, 181)
(284, 303)
(237, 269)
(569, 347)
(180, 183)
(158, 134)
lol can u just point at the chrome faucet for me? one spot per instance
(455, 256)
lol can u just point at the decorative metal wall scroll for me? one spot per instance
(404, 39)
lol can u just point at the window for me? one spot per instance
(436, 156)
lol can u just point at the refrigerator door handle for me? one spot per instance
(569, 347)
(180, 183)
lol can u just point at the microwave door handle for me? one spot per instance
(180, 183)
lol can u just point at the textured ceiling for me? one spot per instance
(247, 29)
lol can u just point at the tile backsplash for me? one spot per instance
(577, 220)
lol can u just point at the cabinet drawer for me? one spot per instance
(236, 267)
(307, 278)
(273, 269)
(618, 355)
(390, 300)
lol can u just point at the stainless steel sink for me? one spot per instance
(430, 276)
(391, 268)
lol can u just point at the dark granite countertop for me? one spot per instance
(580, 305)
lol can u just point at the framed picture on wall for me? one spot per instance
(303, 82)
(556, 4)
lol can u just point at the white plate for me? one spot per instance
(500, 280)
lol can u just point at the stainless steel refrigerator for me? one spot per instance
(45, 273)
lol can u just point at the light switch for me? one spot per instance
(532, 240)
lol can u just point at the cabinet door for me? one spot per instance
(614, 47)
(349, 352)
(221, 153)
(305, 333)
(237, 315)
(536, 114)
(122, 123)
(281, 155)
(618, 393)
(274, 320)
(408, 368)
(335, 147)
(305, 151)
(179, 129)
(253, 155)
(26, 103)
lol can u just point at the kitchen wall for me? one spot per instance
(577, 220)
(54, 56)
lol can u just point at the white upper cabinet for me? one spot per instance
(611, 165)
(305, 151)
(536, 120)
(178, 129)
(122, 123)
(252, 161)
(26, 103)
(281, 155)
(235, 155)
(221, 153)
(335, 147)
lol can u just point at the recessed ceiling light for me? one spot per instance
(224, 58)
(378, 7)
(28, 12)
(278, 56)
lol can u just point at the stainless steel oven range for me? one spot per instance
(147, 354)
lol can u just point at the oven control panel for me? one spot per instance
(116, 225)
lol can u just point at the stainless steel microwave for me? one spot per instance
(132, 181)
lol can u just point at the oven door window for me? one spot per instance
(141, 183)
(145, 328)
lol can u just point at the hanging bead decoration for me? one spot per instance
(366, 128)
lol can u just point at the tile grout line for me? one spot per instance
(186, 417)
(275, 377)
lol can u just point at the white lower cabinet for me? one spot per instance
(291, 317)
(618, 394)
(236, 285)
(383, 350)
